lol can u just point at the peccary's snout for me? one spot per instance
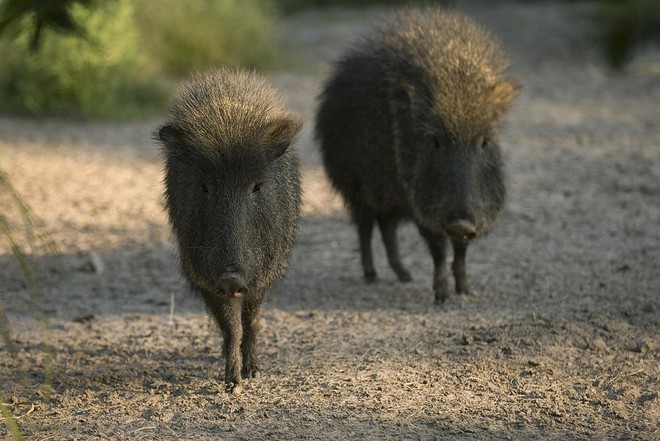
(232, 285)
(461, 229)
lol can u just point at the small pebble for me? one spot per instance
(643, 346)
(598, 344)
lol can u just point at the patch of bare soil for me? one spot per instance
(561, 341)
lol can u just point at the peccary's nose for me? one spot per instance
(462, 229)
(233, 285)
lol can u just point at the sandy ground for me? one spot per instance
(561, 341)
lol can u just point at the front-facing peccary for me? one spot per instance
(407, 124)
(232, 192)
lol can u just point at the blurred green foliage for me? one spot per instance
(288, 6)
(106, 77)
(623, 25)
(26, 238)
(129, 51)
(114, 58)
(620, 26)
(55, 14)
(185, 35)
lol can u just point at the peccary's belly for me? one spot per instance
(382, 192)
(379, 185)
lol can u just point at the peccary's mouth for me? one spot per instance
(232, 285)
(230, 295)
(461, 230)
(464, 238)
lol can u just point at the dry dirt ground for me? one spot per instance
(561, 341)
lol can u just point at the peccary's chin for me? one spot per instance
(460, 225)
(205, 267)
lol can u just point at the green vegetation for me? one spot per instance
(621, 26)
(118, 55)
(22, 231)
(114, 58)
(288, 6)
(624, 25)
(295, 5)
(45, 14)
(10, 422)
(105, 77)
(181, 36)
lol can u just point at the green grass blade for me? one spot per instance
(10, 422)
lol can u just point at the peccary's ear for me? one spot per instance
(281, 131)
(503, 93)
(415, 101)
(405, 99)
(169, 135)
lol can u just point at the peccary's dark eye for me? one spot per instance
(485, 142)
(204, 187)
(436, 143)
(256, 187)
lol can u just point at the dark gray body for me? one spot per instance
(232, 192)
(407, 124)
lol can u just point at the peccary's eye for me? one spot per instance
(204, 187)
(436, 143)
(256, 187)
(485, 142)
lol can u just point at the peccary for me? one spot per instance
(407, 125)
(232, 192)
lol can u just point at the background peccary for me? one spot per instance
(407, 124)
(232, 192)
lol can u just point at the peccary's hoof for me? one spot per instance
(251, 373)
(404, 276)
(370, 277)
(441, 297)
(463, 289)
(234, 388)
(467, 292)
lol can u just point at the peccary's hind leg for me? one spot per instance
(250, 319)
(458, 267)
(227, 314)
(388, 227)
(364, 218)
(437, 243)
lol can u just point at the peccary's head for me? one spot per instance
(452, 167)
(447, 97)
(232, 187)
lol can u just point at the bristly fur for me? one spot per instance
(223, 107)
(456, 60)
(407, 124)
(232, 193)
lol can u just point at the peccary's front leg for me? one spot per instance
(227, 313)
(388, 230)
(437, 243)
(250, 320)
(458, 267)
(364, 218)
